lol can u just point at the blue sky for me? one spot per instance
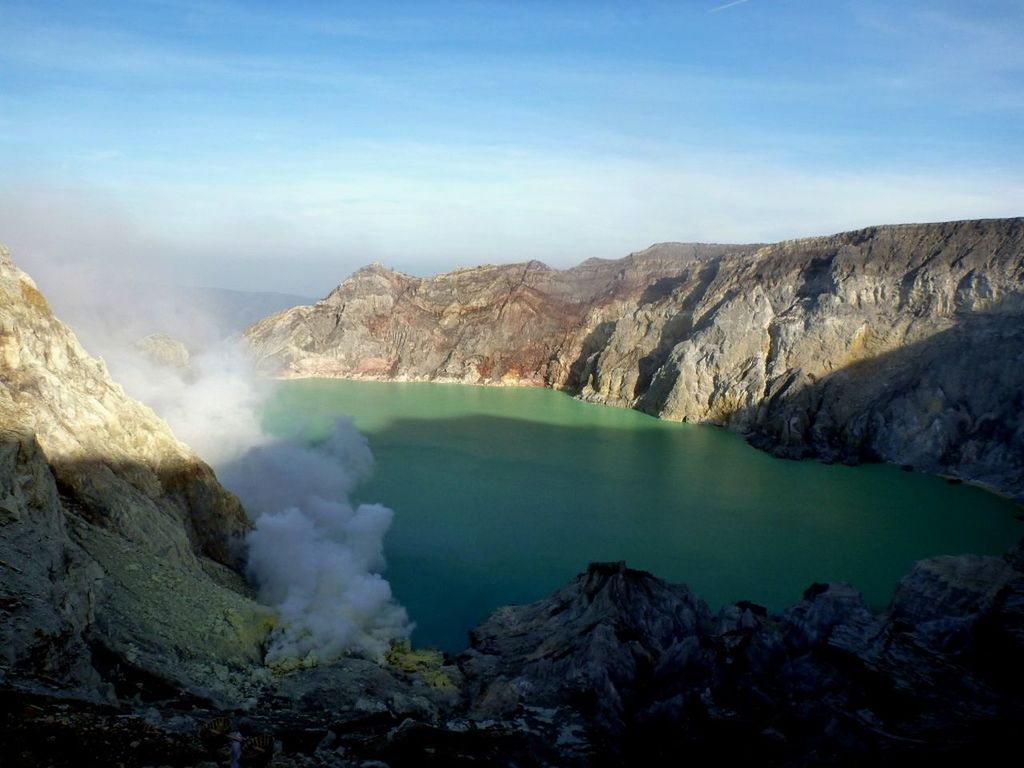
(279, 146)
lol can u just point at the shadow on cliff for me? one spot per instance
(678, 326)
(595, 341)
(699, 277)
(951, 403)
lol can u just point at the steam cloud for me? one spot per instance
(315, 557)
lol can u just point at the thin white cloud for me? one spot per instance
(728, 5)
(432, 209)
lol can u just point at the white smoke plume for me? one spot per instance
(315, 557)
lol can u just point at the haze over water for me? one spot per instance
(502, 495)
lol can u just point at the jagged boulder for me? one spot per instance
(164, 351)
(596, 642)
(648, 672)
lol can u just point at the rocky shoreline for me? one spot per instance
(616, 668)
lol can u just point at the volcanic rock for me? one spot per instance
(651, 675)
(509, 324)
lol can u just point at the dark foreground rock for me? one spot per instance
(654, 675)
(621, 668)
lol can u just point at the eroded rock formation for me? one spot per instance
(164, 351)
(510, 324)
(901, 343)
(636, 670)
(619, 668)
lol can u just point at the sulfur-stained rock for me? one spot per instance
(522, 324)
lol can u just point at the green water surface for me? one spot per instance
(502, 495)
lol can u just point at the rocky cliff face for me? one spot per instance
(511, 324)
(902, 343)
(117, 543)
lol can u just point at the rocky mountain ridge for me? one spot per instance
(902, 343)
(492, 324)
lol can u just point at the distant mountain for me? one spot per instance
(111, 318)
(903, 343)
(234, 311)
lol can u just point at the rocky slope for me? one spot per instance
(117, 543)
(638, 671)
(124, 620)
(510, 324)
(619, 668)
(901, 343)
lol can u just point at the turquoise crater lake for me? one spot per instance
(502, 495)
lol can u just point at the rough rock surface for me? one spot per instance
(898, 343)
(116, 541)
(620, 668)
(510, 324)
(165, 351)
(124, 629)
(651, 675)
(902, 343)
(123, 622)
